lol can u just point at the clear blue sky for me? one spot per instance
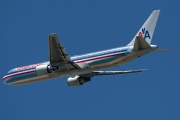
(87, 26)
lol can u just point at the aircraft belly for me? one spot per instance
(30, 80)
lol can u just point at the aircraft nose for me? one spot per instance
(4, 79)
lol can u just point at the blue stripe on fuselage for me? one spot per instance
(100, 53)
(20, 75)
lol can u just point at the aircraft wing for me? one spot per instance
(58, 54)
(98, 73)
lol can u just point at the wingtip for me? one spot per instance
(143, 69)
(156, 11)
(52, 34)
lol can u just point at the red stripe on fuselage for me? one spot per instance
(98, 58)
(16, 74)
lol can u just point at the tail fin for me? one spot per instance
(147, 30)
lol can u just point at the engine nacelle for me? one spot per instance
(77, 81)
(44, 69)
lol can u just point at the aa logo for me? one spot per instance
(144, 33)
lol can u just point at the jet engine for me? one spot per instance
(44, 69)
(77, 81)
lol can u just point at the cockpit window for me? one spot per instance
(11, 71)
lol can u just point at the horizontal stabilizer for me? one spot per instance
(163, 50)
(140, 43)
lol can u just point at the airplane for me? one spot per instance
(80, 69)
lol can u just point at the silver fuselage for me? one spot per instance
(87, 62)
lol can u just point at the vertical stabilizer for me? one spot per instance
(147, 30)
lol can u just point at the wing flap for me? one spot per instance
(98, 73)
(116, 72)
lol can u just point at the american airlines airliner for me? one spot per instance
(80, 69)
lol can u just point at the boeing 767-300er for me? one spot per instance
(80, 69)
